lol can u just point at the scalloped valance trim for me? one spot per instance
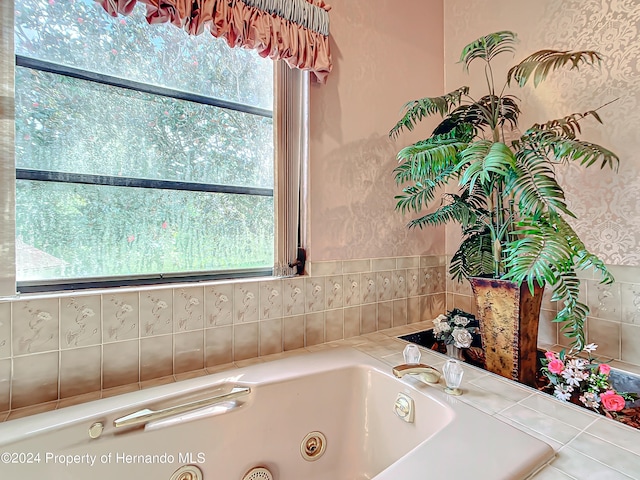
(295, 31)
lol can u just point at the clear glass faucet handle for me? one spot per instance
(411, 354)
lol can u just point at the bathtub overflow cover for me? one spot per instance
(313, 446)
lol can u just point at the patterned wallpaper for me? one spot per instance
(607, 204)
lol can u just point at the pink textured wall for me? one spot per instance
(607, 203)
(385, 53)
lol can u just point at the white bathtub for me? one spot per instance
(343, 393)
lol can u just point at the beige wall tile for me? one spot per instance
(603, 300)
(381, 264)
(368, 318)
(156, 357)
(5, 384)
(270, 336)
(188, 309)
(293, 302)
(367, 287)
(120, 316)
(351, 322)
(188, 351)
(314, 328)
(399, 312)
(385, 315)
(270, 299)
(218, 305)
(351, 288)
(384, 286)
(333, 292)
(218, 346)
(408, 262)
(293, 332)
(606, 335)
(432, 260)
(120, 364)
(5, 329)
(80, 371)
(334, 324)
(399, 284)
(245, 341)
(246, 301)
(35, 325)
(630, 344)
(156, 312)
(319, 269)
(356, 266)
(432, 305)
(547, 330)
(435, 280)
(413, 309)
(630, 303)
(414, 282)
(80, 321)
(35, 379)
(314, 294)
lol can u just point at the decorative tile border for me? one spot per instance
(97, 340)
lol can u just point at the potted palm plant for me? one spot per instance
(513, 215)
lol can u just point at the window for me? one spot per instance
(141, 152)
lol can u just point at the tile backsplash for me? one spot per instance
(57, 346)
(614, 313)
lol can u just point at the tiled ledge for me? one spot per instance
(587, 445)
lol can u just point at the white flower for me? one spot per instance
(462, 337)
(590, 348)
(563, 392)
(194, 301)
(440, 327)
(460, 320)
(126, 307)
(44, 316)
(224, 298)
(161, 304)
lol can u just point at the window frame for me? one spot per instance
(63, 284)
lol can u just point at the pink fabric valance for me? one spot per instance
(296, 31)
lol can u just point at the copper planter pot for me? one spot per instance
(509, 316)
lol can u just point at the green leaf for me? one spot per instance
(487, 47)
(484, 159)
(542, 62)
(416, 110)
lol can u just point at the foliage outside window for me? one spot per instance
(140, 151)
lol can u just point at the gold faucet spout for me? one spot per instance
(424, 372)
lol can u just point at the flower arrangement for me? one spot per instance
(457, 327)
(585, 380)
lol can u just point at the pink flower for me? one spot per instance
(605, 369)
(612, 401)
(131, 238)
(550, 355)
(555, 366)
(164, 225)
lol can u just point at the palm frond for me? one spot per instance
(534, 184)
(416, 110)
(474, 257)
(483, 158)
(568, 126)
(480, 114)
(466, 209)
(542, 62)
(538, 249)
(416, 196)
(487, 47)
(573, 314)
